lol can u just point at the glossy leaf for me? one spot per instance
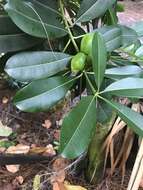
(29, 66)
(138, 27)
(133, 47)
(139, 52)
(42, 94)
(12, 38)
(36, 17)
(133, 119)
(129, 36)
(119, 61)
(112, 37)
(110, 17)
(99, 58)
(117, 73)
(104, 112)
(93, 9)
(78, 128)
(128, 87)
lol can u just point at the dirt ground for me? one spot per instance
(28, 130)
(133, 12)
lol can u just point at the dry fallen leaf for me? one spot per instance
(74, 187)
(58, 186)
(2, 149)
(50, 150)
(4, 130)
(47, 151)
(60, 164)
(12, 168)
(47, 124)
(7, 187)
(58, 177)
(18, 149)
(57, 134)
(37, 150)
(5, 100)
(141, 183)
(33, 145)
(18, 181)
(65, 186)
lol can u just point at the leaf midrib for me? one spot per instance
(46, 7)
(86, 11)
(32, 19)
(90, 9)
(120, 111)
(98, 62)
(37, 65)
(53, 89)
(79, 125)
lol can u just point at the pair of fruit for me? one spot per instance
(79, 60)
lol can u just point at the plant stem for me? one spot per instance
(66, 46)
(80, 87)
(67, 26)
(81, 36)
(89, 82)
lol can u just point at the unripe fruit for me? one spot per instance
(78, 62)
(86, 44)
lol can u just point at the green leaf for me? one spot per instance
(112, 37)
(4, 130)
(138, 27)
(104, 112)
(12, 38)
(119, 61)
(128, 87)
(139, 52)
(93, 9)
(6, 143)
(110, 18)
(129, 48)
(36, 17)
(129, 36)
(78, 128)
(99, 58)
(120, 7)
(42, 94)
(29, 66)
(133, 119)
(117, 73)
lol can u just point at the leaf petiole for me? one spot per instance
(89, 82)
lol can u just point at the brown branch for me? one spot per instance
(13, 159)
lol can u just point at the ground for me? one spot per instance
(133, 12)
(28, 130)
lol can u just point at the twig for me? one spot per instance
(137, 172)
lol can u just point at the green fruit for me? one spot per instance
(86, 44)
(78, 62)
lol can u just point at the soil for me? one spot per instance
(28, 130)
(133, 12)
